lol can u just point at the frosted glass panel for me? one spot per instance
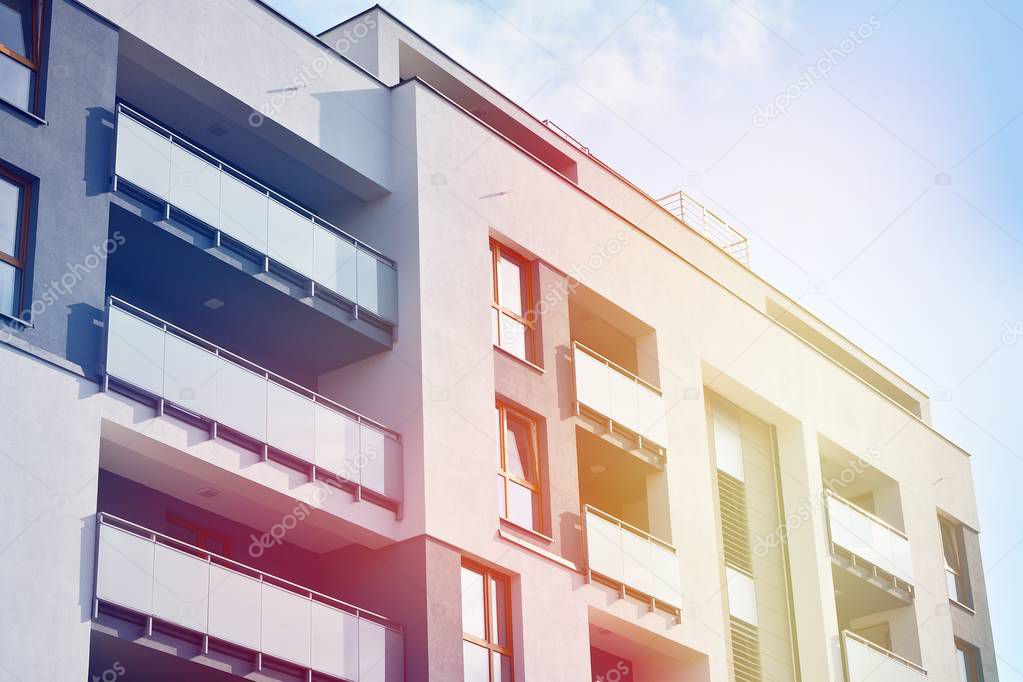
(291, 239)
(377, 286)
(665, 575)
(143, 157)
(604, 547)
(291, 420)
(287, 622)
(234, 607)
(195, 186)
(863, 536)
(125, 570)
(591, 383)
(624, 400)
(379, 462)
(866, 664)
(181, 588)
(636, 562)
(335, 642)
(372, 652)
(337, 443)
(190, 376)
(135, 351)
(742, 595)
(334, 263)
(243, 212)
(394, 660)
(653, 423)
(241, 400)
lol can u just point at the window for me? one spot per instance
(14, 197)
(518, 477)
(486, 625)
(20, 47)
(955, 574)
(511, 326)
(969, 669)
(200, 536)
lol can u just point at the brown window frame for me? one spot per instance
(487, 643)
(964, 594)
(497, 252)
(973, 671)
(35, 63)
(504, 409)
(19, 261)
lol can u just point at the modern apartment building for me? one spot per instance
(279, 311)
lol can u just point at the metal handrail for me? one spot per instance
(727, 238)
(618, 368)
(141, 314)
(271, 193)
(881, 650)
(104, 518)
(867, 514)
(588, 508)
(568, 137)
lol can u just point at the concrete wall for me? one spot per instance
(70, 159)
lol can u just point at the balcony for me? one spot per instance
(632, 560)
(706, 222)
(870, 545)
(240, 215)
(199, 382)
(867, 662)
(175, 587)
(617, 398)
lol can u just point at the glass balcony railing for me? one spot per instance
(161, 578)
(178, 173)
(867, 662)
(615, 393)
(164, 361)
(627, 556)
(869, 538)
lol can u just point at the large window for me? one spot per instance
(955, 567)
(518, 471)
(14, 194)
(486, 625)
(20, 47)
(511, 324)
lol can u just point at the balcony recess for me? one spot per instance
(867, 662)
(198, 187)
(869, 544)
(171, 584)
(620, 400)
(632, 560)
(198, 381)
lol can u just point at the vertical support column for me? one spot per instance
(817, 633)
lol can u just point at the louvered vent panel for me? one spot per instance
(734, 522)
(745, 652)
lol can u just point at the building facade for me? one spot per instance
(279, 310)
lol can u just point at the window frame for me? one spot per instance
(972, 659)
(954, 531)
(35, 64)
(19, 261)
(497, 252)
(504, 409)
(489, 642)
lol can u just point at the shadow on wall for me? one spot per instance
(85, 337)
(99, 141)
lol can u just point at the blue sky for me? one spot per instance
(889, 188)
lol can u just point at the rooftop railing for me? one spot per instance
(632, 558)
(619, 395)
(163, 579)
(230, 202)
(868, 537)
(868, 662)
(177, 367)
(703, 220)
